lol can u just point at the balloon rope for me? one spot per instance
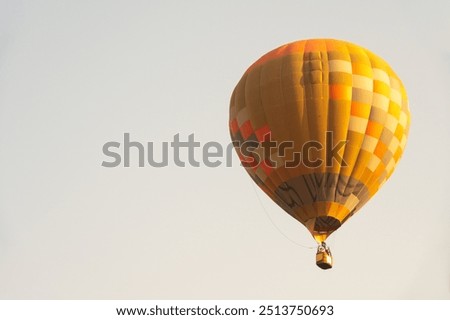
(274, 224)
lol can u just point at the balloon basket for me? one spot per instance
(324, 259)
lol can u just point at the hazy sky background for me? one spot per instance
(76, 74)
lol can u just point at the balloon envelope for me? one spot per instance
(343, 116)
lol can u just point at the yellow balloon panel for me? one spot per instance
(345, 113)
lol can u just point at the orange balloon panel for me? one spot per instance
(320, 125)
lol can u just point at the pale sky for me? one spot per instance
(77, 74)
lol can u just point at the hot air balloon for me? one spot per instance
(319, 126)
